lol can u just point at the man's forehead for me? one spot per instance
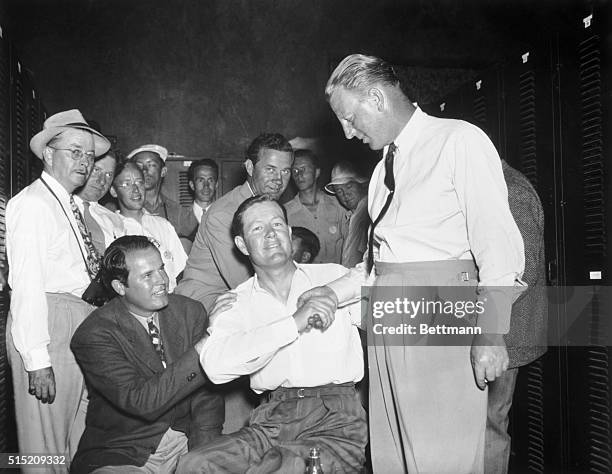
(74, 136)
(268, 156)
(143, 260)
(261, 209)
(129, 172)
(108, 162)
(206, 170)
(146, 156)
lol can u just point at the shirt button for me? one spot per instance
(191, 376)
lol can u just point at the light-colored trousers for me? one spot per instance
(427, 414)
(54, 428)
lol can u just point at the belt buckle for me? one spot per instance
(300, 393)
(465, 276)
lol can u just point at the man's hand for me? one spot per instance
(318, 291)
(222, 304)
(489, 358)
(317, 311)
(42, 384)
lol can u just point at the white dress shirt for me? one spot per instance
(198, 211)
(258, 336)
(44, 256)
(162, 231)
(450, 202)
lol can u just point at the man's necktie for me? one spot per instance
(97, 236)
(390, 184)
(156, 341)
(93, 259)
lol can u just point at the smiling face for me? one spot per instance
(361, 115)
(100, 179)
(270, 175)
(266, 236)
(129, 188)
(58, 161)
(146, 289)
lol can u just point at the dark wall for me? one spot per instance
(205, 77)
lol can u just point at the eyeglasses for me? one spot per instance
(98, 171)
(77, 154)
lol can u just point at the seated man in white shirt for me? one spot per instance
(307, 360)
(103, 224)
(129, 190)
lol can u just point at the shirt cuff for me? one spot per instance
(36, 359)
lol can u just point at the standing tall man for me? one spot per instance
(152, 160)
(316, 211)
(440, 215)
(52, 261)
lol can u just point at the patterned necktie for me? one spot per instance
(93, 259)
(97, 235)
(156, 341)
(390, 184)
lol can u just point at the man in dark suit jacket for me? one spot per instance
(149, 398)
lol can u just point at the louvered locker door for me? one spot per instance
(527, 138)
(34, 125)
(20, 150)
(7, 423)
(585, 134)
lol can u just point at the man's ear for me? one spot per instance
(239, 241)
(47, 156)
(248, 165)
(192, 186)
(317, 173)
(378, 97)
(118, 287)
(164, 171)
(306, 256)
(113, 192)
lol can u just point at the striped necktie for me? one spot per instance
(390, 184)
(156, 341)
(97, 235)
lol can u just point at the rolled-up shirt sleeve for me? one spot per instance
(233, 349)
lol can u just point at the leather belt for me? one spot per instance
(283, 393)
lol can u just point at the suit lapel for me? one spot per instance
(171, 334)
(138, 338)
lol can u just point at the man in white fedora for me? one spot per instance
(52, 260)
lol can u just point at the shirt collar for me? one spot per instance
(57, 188)
(145, 321)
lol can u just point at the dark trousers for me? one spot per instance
(283, 430)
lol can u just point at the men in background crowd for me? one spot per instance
(526, 340)
(203, 177)
(305, 244)
(309, 374)
(152, 161)
(147, 396)
(129, 189)
(52, 261)
(103, 224)
(315, 210)
(439, 206)
(215, 266)
(351, 189)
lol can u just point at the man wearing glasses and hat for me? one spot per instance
(152, 160)
(52, 261)
(351, 189)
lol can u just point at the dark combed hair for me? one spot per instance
(122, 164)
(309, 239)
(272, 141)
(237, 221)
(311, 155)
(193, 167)
(113, 261)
